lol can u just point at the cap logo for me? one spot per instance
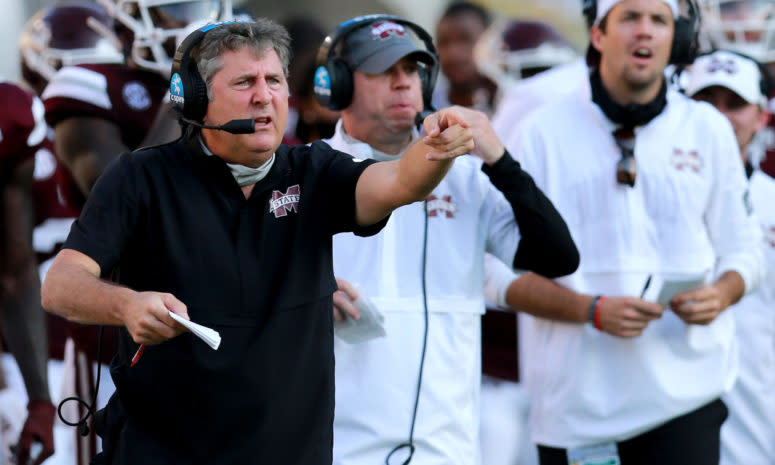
(176, 89)
(385, 29)
(717, 64)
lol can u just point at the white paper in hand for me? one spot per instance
(368, 327)
(671, 288)
(210, 336)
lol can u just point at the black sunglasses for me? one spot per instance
(625, 168)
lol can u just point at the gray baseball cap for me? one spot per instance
(376, 47)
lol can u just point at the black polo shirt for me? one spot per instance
(257, 270)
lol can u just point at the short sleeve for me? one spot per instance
(339, 182)
(109, 217)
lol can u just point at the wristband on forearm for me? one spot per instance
(593, 311)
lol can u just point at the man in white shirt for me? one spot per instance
(737, 86)
(644, 179)
(416, 390)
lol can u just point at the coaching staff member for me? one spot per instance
(656, 190)
(233, 231)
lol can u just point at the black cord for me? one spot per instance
(410, 443)
(83, 427)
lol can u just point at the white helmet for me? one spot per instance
(67, 33)
(745, 26)
(158, 26)
(510, 50)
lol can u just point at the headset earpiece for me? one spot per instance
(188, 90)
(333, 85)
(686, 37)
(341, 84)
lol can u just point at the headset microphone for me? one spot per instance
(235, 126)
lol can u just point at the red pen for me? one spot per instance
(138, 354)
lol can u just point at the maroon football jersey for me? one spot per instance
(54, 190)
(22, 128)
(768, 165)
(126, 96)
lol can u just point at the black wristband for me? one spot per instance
(591, 310)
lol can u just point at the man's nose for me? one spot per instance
(262, 94)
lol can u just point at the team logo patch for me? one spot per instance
(136, 96)
(444, 205)
(283, 203)
(687, 160)
(322, 81)
(722, 65)
(386, 29)
(176, 89)
(769, 235)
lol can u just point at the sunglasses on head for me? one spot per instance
(625, 168)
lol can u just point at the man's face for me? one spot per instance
(635, 46)
(248, 86)
(386, 104)
(456, 37)
(746, 118)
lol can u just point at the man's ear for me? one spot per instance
(764, 118)
(596, 37)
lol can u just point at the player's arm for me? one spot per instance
(385, 186)
(22, 318)
(165, 127)
(86, 145)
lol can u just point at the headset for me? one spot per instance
(333, 75)
(686, 44)
(188, 91)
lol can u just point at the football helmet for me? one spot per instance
(158, 26)
(745, 26)
(510, 50)
(65, 34)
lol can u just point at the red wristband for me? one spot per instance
(597, 312)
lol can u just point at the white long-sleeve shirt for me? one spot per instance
(685, 216)
(376, 381)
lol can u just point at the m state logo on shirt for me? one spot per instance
(684, 160)
(283, 203)
(437, 206)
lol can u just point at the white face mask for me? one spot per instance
(244, 175)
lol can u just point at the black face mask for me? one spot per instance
(632, 114)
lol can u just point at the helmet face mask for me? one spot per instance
(745, 26)
(66, 34)
(158, 26)
(511, 50)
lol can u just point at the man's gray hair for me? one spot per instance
(259, 36)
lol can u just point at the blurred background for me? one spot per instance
(564, 15)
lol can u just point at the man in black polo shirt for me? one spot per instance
(233, 232)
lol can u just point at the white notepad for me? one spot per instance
(210, 336)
